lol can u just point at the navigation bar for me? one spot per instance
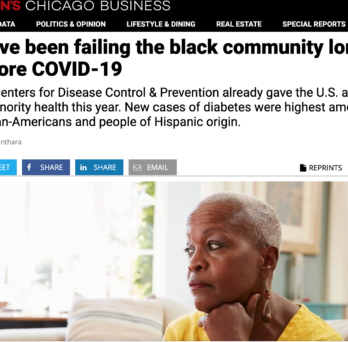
(155, 16)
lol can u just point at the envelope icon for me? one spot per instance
(137, 167)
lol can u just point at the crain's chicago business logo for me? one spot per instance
(10, 5)
(304, 168)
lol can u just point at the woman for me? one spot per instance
(233, 249)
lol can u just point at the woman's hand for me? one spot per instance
(230, 322)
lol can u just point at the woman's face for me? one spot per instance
(224, 266)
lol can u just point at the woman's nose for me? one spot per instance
(197, 262)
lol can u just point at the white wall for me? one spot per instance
(337, 265)
(174, 202)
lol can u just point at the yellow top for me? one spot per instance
(304, 326)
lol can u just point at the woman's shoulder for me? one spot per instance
(186, 328)
(306, 326)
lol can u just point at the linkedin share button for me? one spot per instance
(99, 167)
(46, 167)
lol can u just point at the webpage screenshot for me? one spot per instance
(171, 173)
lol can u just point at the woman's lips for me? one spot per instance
(197, 285)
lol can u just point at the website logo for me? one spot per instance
(29, 167)
(6, 5)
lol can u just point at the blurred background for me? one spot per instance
(61, 239)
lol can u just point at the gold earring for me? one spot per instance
(267, 317)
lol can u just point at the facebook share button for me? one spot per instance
(46, 167)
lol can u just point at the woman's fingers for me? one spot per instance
(251, 304)
(230, 322)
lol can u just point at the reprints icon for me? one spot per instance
(303, 168)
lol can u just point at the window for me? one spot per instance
(62, 238)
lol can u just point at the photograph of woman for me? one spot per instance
(233, 246)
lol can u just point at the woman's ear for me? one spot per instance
(270, 257)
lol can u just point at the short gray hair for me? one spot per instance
(257, 218)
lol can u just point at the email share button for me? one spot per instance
(152, 167)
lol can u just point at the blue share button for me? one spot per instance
(8, 167)
(46, 167)
(99, 167)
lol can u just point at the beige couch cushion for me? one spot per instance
(173, 310)
(115, 319)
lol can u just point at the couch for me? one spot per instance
(97, 312)
(170, 311)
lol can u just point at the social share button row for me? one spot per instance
(89, 167)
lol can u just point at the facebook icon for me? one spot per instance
(29, 167)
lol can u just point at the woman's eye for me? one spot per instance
(213, 246)
(189, 251)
